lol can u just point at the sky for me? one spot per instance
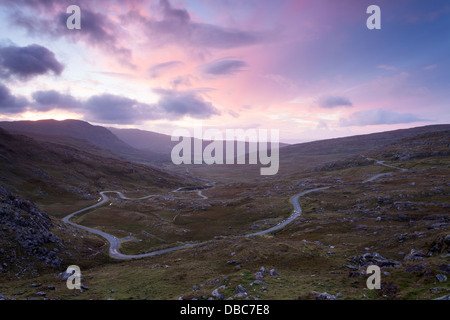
(311, 69)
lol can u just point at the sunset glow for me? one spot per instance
(311, 69)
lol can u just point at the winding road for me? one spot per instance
(115, 242)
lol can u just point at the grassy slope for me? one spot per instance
(62, 178)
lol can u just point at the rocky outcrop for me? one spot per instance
(373, 259)
(25, 232)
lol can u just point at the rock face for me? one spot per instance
(375, 259)
(25, 229)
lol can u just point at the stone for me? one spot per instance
(447, 297)
(326, 296)
(414, 255)
(441, 277)
(35, 285)
(217, 294)
(65, 275)
(240, 289)
(273, 272)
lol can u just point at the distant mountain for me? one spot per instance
(96, 135)
(145, 140)
(148, 140)
(42, 171)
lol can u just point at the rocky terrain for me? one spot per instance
(25, 236)
(398, 221)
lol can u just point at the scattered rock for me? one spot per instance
(65, 275)
(217, 294)
(35, 285)
(419, 268)
(326, 296)
(374, 259)
(40, 293)
(441, 277)
(240, 289)
(259, 275)
(273, 272)
(258, 282)
(447, 297)
(414, 255)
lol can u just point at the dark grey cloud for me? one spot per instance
(176, 26)
(49, 17)
(334, 101)
(10, 104)
(27, 62)
(156, 70)
(185, 103)
(113, 109)
(224, 67)
(172, 105)
(97, 30)
(378, 117)
(51, 99)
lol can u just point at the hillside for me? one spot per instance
(47, 172)
(292, 156)
(32, 241)
(306, 157)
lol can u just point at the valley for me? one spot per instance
(376, 199)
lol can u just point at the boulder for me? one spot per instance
(326, 296)
(217, 294)
(240, 289)
(441, 277)
(259, 275)
(273, 272)
(414, 255)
